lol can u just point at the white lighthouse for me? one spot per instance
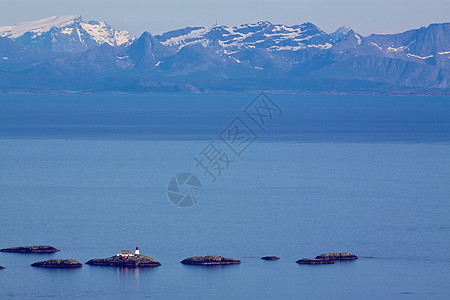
(137, 251)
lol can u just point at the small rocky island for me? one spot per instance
(31, 249)
(337, 256)
(136, 261)
(270, 258)
(314, 261)
(58, 263)
(1, 268)
(126, 259)
(327, 258)
(210, 260)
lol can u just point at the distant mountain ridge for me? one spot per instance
(262, 35)
(66, 53)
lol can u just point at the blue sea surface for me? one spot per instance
(88, 174)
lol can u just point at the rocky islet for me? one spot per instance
(135, 261)
(337, 256)
(31, 249)
(270, 258)
(314, 261)
(58, 264)
(210, 260)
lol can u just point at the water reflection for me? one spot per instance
(131, 273)
(212, 267)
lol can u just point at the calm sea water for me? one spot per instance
(88, 174)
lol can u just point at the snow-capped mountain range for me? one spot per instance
(262, 35)
(261, 56)
(67, 33)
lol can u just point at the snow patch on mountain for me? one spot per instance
(182, 40)
(67, 31)
(102, 33)
(419, 57)
(289, 48)
(375, 45)
(358, 37)
(321, 46)
(399, 49)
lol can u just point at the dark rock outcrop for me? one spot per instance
(314, 261)
(58, 263)
(270, 258)
(31, 249)
(136, 261)
(210, 260)
(337, 256)
(1, 268)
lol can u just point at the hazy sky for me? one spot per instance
(156, 16)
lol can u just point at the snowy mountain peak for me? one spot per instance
(264, 23)
(66, 33)
(38, 26)
(340, 33)
(344, 29)
(346, 33)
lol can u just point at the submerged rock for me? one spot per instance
(314, 261)
(210, 260)
(31, 249)
(270, 258)
(135, 261)
(337, 256)
(58, 263)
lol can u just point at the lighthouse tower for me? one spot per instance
(137, 251)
